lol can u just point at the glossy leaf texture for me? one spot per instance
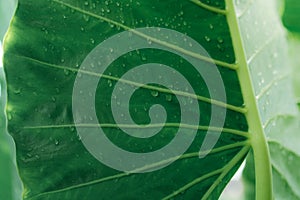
(41, 69)
(9, 178)
(282, 129)
(48, 41)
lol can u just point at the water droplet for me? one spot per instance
(9, 116)
(53, 99)
(169, 97)
(56, 142)
(86, 18)
(154, 93)
(17, 91)
(207, 39)
(270, 66)
(274, 123)
(275, 72)
(86, 3)
(211, 26)
(66, 72)
(220, 40)
(144, 58)
(180, 13)
(29, 155)
(109, 83)
(92, 40)
(79, 138)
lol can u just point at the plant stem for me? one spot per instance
(263, 173)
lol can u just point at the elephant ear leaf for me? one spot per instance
(282, 129)
(9, 179)
(52, 57)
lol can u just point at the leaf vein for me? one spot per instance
(208, 7)
(223, 171)
(135, 126)
(154, 40)
(269, 86)
(262, 47)
(120, 175)
(150, 87)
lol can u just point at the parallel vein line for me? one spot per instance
(134, 126)
(223, 172)
(294, 190)
(154, 40)
(208, 7)
(269, 86)
(120, 175)
(227, 169)
(249, 4)
(262, 47)
(276, 117)
(192, 183)
(140, 85)
(276, 142)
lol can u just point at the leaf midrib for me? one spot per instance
(263, 173)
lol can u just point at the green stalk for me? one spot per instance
(263, 173)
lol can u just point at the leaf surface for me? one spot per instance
(282, 129)
(9, 178)
(49, 40)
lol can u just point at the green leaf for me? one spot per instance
(291, 17)
(49, 40)
(283, 130)
(9, 178)
(294, 47)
